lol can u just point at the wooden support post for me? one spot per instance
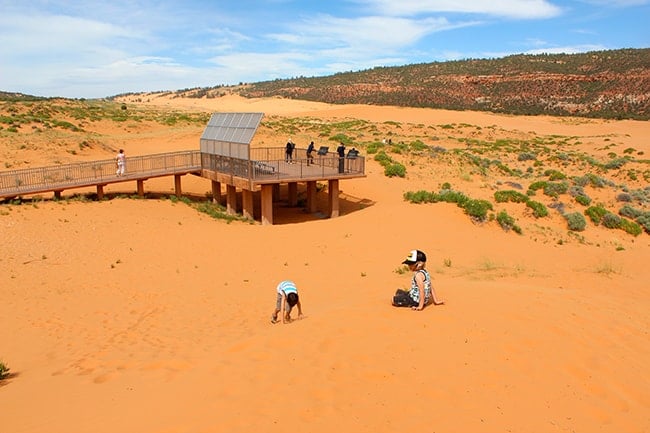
(100, 192)
(333, 191)
(231, 200)
(267, 204)
(247, 203)
(276, 192)
(140, 187)
(293, 194)
(311, 196)
(177, 185)
(216, 192)
(57, 194)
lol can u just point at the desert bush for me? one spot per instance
(611, 221)
(395, 169)
(4, 370)
(554, 189)
(382, 158)
(341, 138)
(419, 197)
(446, 185)
(554, 175)
(616, 163)
(477, 209)
(540, 184)
(507, 222)
(526, 156)
(630, 212)
(450, 196)
(583, 200)
(590, 179)
(625, 197)
(374, 147)
(631, 227)
(596, 213)
(539, 210)
(576, 221)
(510, 196)
(418, 145)
(644, 221)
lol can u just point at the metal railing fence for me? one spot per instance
(15, 182)
(266, 164)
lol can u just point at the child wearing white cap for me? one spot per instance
(421, 292)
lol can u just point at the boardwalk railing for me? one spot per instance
(60, 177)
(266, 165)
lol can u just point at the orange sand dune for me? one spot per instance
(145, 316)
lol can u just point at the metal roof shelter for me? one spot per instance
(230, 134)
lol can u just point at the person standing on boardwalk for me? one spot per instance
(288, 152)
(310, 157)
(341, 151)
(120, 162)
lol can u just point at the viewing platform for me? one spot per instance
(225, 157)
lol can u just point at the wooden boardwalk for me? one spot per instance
(15, 183)
(248, 175)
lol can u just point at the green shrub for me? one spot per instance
(4, 370)
(583, 200)
(539, 210)
(554, 189)
(526, 156)
(631, 227)
(630, 212)
(446, 185)
(383, 158)
(510, 196)
(611, 221)
(420, 197)
(554, 175)
(450, 196)
(644, 220)
(576, 221)
(590, 179)
(616, 163)
(477, 209)
(395, 169)
(595, 213)
(541, 184)
(373, 148)
(417, 145)
(507, 222)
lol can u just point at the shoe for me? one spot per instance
(274, 320)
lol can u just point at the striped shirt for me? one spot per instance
(287, 287)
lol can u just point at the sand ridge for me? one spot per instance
(147, 316)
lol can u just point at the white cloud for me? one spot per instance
(520, 9)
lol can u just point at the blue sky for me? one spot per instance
(91, 49)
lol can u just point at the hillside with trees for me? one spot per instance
(603, 84)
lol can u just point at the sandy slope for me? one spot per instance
(146, 316)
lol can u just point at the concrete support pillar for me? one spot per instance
(247, 203)
(333, 197)
(177, 185)
(100, 192)
(140, 187)
(231, 200)
(311, 196)
(267, 204)
(293, 194)
(216, 192)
